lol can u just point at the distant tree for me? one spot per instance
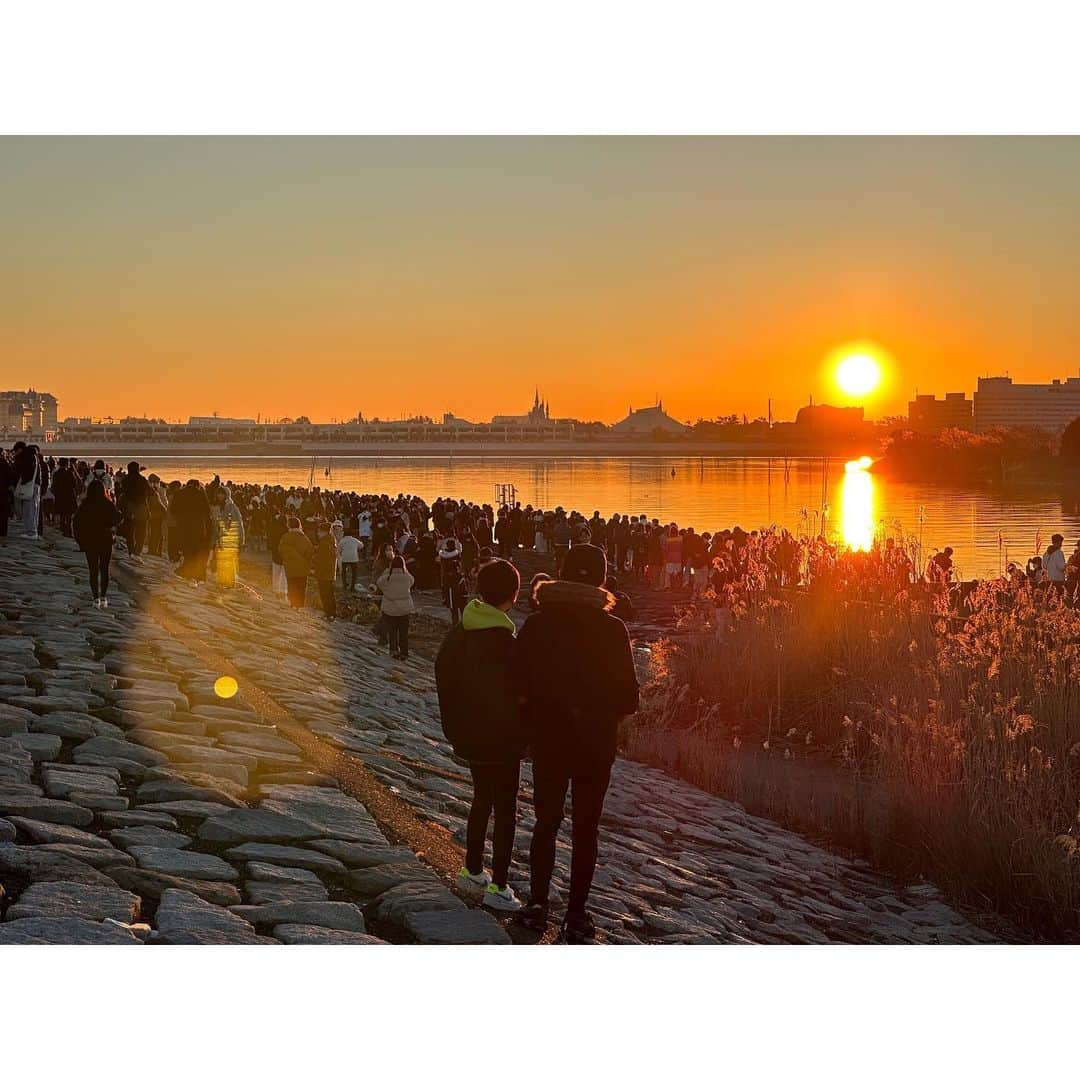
(1070, 441)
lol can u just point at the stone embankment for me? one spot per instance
(320, 804)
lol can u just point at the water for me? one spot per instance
(707, 493)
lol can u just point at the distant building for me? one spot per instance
(830, 421)
(646, 421)
(927, 413)
(540, 413)
(218, 421)
(27, 412)
(999, 402)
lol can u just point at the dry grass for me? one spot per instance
(939, 742)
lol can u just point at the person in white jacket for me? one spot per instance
(1054, 560)
(395, 584)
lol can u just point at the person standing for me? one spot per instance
(134, 499)
(474, 676)
(575, 674)
(94, 525)
(325, 567)
(229, 537)
(1054, 562)
(348, 554)
(194, 529)
(7, 484)
(65, 495)
(396, 584)
(155, 516)
(28, 482)
(452, 578)
(296, 551)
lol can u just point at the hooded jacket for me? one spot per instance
(474, 675)
(575, 672)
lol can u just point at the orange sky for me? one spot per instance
(166, 277)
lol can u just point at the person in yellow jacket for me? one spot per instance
(295, 551)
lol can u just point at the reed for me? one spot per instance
(937, 737)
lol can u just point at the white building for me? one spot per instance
(999, 402)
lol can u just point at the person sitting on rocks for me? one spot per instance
(480, 717)
(575, 673)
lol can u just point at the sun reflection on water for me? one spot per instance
(857, 505)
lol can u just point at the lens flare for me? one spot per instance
(226, 687)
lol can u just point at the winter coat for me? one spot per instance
(294, 552)
(325, 560)
(396, 588)
(575, 671)
(93, 524)
(194, 526)
(474, 675)
(65, 491)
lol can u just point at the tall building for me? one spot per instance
(999, 402)
(927, 413)
(27, 412)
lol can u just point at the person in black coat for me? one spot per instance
(474, 675)
(7, 486)
(94, 524)
(195, 530)
(134, 503)
(65, 495)
(575, 674)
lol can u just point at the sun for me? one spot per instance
(858, 373)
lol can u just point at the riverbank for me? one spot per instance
(320, 803)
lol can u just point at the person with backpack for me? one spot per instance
(474, 676)
(94, 525)
(576, 677)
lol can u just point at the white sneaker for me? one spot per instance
(480, 881)
(104, 601)
(97, 601)
(501, 899)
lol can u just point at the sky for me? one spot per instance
(167, 277)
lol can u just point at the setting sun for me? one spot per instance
(858, 373)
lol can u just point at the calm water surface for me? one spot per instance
(707, 493)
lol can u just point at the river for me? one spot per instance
(982, 526)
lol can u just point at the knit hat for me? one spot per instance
(585, 563)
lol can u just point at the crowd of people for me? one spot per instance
(556, 689)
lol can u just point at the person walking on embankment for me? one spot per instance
(576, 677)
(474, 676)
(134, 504)
(324, 563)
(194, 530)
(229, 537)
(94, 526)
(296, 551)
(396, 584)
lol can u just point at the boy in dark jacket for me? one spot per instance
(474, 675)
(575, 673)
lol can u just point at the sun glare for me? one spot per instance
(858, 374)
